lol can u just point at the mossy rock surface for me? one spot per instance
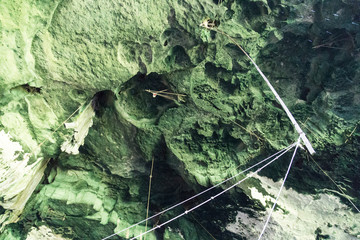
(220, 117)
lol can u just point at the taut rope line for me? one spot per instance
(148, 200)
(208, 24)
(59, 126)
(276, 155)
(282, 185)
(211, 198)
(346, 196)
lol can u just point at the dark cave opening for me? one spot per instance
(223, 77)
(101, 100)
(2, 210)
(304, 93)
(138, 98)
(178, 57)
(26, 87)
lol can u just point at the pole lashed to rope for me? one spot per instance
(208, 24)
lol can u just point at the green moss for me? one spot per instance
(57, 56)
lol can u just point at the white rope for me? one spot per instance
(282, 185)
(291, 117)
(213, 197)
(279, 153)
(283, 105)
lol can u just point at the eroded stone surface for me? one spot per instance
(57, 56)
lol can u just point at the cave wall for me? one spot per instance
(59, 58)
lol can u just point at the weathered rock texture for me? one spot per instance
(61, 58)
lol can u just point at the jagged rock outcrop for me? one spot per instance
(58, 56)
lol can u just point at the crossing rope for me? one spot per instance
(275, 156)
(211, 198)
(282, 185)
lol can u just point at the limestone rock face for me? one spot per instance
(92, 92)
